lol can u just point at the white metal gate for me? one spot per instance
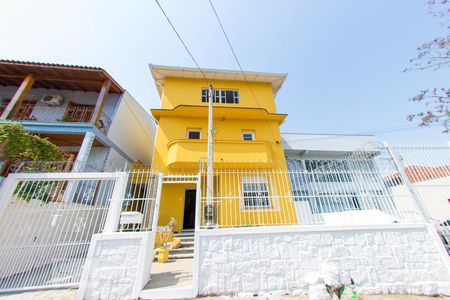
(47, 221)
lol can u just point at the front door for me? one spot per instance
(189, 209)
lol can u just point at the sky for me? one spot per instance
(344, 58)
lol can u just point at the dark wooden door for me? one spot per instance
(189, 209)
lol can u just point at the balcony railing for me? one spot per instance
(31, 111)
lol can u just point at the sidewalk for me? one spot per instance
(70, 294)
(61, 294)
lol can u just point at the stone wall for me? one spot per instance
(395, 258)
(117, 266)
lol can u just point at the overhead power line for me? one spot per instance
(239, 65)
(181, 40)
(377, 131)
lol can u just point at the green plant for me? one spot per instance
(45, 191)
(18, 145)
(67, 118)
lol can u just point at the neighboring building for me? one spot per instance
(431, 183)
(325, 146)
(246, 137)
(331, 174)
(83, 110)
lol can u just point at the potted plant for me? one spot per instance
(164, 236)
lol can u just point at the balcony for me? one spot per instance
(71, 113)
(188, 153)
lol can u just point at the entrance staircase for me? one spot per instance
(186, 250)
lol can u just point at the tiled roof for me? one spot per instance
(49, 64)
(57, 76)
(419, 174)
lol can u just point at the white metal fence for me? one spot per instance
(426, 171)
(47, 221)
(361, 188)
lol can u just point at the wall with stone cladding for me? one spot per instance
(380, 259)
(117, 266)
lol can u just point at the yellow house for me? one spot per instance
(247, 146)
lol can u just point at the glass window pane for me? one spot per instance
(193, 135)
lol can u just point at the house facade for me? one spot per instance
(331, 198)
(340, 179)
(82, 110)
(246, 137)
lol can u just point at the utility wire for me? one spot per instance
(378, 131)
(239, 64)
(181, 40)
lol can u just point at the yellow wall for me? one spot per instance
(228, 131)
(172, 204)
(172, 130)
(184, 91)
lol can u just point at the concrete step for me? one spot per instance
(182, 250)
(181, 256)
(183, 234)
(185, 239)
(187, 244)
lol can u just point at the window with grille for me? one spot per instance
(328, 171)
(222, 96)
(334, 202)
(256, 193)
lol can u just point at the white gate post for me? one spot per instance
(115, 207)
(401, 170)
(198, 196)
(157, 202)
(7, 190)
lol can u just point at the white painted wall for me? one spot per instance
(117, 266)
(380, 258)
(133, 130)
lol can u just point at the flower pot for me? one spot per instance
(163, 255)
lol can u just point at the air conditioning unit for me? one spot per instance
(52, 100)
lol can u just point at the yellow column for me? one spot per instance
(96, 115)
(18, 97)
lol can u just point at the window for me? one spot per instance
(334, 202)
(194, 134)
(255, 192)
(222, 96)
(328, 171)
(248, 135)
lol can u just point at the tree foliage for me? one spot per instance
(434, 55)
(16, 144)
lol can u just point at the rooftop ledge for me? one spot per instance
(220, 112)
(185, 152)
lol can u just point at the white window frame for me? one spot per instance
(252, 132)
(193, 130)
(220, 96)
(253, 180)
